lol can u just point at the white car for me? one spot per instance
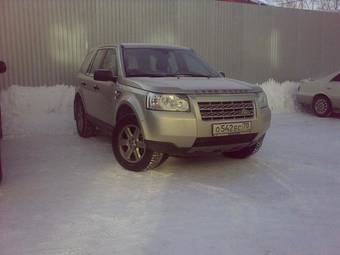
(323, 94)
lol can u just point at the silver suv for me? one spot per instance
(160, 100)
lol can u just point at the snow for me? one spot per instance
(37, 110)
(49, 110)
(63, 194)
(281, 96)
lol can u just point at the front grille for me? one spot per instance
(224, 140)
(232, 110)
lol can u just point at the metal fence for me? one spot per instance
(44, 41)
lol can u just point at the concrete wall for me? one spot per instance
(44, 41)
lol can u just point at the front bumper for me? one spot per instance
(186, 132)
(207, 144)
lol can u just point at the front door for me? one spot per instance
(88, 84)
(105, 101)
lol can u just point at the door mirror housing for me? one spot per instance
(222, 73)
(104, 75)
(2, 67)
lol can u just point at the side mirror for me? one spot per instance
(2, 67)
(222, 73)
(104, 75)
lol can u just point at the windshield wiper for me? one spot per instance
(146, 75)
(192, 75)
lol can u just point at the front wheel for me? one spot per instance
(322, 106)
(130, 148)
(245, 152)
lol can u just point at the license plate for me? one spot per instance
(231, 128)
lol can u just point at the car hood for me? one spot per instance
(193, 85)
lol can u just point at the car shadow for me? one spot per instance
(308, 110)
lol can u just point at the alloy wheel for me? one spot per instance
(131, 144)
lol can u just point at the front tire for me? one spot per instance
(322, 106)
(130, 148)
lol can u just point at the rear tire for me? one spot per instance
(245, 152)
(322, 106)
(130, 149)
(84, 127)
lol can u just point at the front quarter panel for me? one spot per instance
(132, 97)
(308, 90)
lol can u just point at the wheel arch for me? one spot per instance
(322, 95)
(129, 106)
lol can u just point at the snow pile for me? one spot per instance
(49, 110)
(37, 110)
(281, 96)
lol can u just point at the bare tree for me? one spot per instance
(328, 5)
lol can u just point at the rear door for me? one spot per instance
(83, 78)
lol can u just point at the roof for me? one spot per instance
(257, 2)
(151, 45)
(142, 45)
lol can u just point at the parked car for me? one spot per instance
(323, 94)
(159, 100)
(2, 70)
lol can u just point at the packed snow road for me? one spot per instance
(66, 195)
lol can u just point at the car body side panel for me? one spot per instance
(308, 90)
(334, 94)
(88, 93)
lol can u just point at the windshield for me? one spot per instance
(161, 62)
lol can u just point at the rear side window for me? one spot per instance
(98, 60)
(336, 78)
(85, 65)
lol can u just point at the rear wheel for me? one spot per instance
(245, 152)
(84, 127)
(322, 106)
(130, 148)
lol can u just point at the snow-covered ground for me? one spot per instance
(66, 195)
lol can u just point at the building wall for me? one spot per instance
(44, 41)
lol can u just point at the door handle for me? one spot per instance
(96, 87)
(83, 83)
(116, 94)
(328, 88)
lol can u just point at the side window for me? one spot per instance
(336, 78)
(97, 62)
(110, 61)
(85, 65)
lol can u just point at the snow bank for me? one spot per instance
(37, 110)
(49, 110)
(281, 96)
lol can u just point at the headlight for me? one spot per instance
(163, 102)
(262, 100)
